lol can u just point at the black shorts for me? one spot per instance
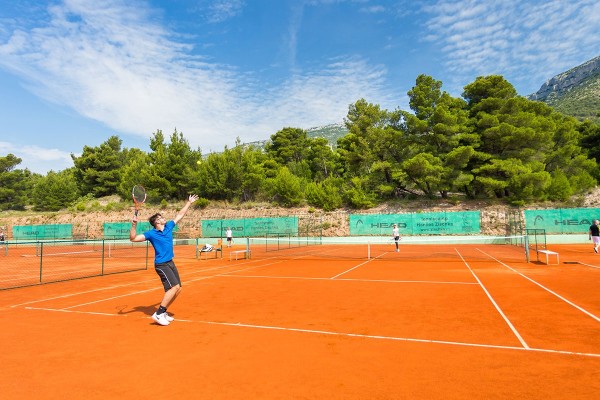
(396, 239)
(169, 276)
(229, 239)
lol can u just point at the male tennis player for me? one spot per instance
(161, 238)
(594, 234)
(396, 235)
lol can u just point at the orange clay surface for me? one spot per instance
(464, 323)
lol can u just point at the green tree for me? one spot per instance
(172, 166)
(322, 159)
(286, 188)
(15, 184)
(289, 145)
(356, 195)
(522, 144)
(590, 141)
(98, 169)
(136, 171)
(438, 127)
(55, 191)
(373, 151)
(325, 194)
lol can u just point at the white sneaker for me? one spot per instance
(169, 318)
(160, 319)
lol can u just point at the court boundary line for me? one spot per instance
(158, 287)
(109, 288)
(341, 334)
(545, 288)
(349, 279)
(487, 293)
(588, 265)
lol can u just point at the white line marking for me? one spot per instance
(545, 288)
(343, 334)
(79, 293)
(347, 279)
(359, 265)
(588, 265)
(510, 325)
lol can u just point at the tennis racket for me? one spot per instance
(139, 197)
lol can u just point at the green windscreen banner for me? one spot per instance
(120, 230)
(43, 232)
(562, 220)
(248, 227)
(433, 223)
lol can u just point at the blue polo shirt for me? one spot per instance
(162, 242)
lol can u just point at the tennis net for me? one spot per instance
(433, 248)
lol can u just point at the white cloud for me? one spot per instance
(526, 41)
(38, 159)
(222, 10)
(110, 62)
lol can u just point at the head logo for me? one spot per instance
(538, 218)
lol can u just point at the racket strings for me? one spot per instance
(139, 194)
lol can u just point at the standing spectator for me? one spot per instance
(229, 235)
(397, 238)
(595, 235)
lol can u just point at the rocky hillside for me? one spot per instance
(575, 92)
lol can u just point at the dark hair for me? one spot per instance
(153, 219)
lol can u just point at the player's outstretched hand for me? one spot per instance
(193, 198)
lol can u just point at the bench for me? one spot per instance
(549, 253)
(215, 250)
(246, 254)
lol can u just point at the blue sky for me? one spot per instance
(75, 72)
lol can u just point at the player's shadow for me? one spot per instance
(148, 310)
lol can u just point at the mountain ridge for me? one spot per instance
(575, 92)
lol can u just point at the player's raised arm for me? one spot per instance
(185, 208)
(133, 236)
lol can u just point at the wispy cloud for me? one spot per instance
(222, 10)
(513, 37)
(39, 159)
(110, 62)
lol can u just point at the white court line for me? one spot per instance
(79, 293)
(110, 287)
(359, 265)
(158, 287)
(588, 265)
(545, 288)
(510, 325)
(345, 334)
(348, 279)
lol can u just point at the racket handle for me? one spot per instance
(136, 213)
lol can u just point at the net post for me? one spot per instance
(41, 244)
(527, 255)
(103, 243)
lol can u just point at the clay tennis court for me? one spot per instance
(442, 322)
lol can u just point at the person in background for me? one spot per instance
(397, 238)
(594, 234)
(229, 236)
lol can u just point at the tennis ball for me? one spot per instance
(198, 162)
